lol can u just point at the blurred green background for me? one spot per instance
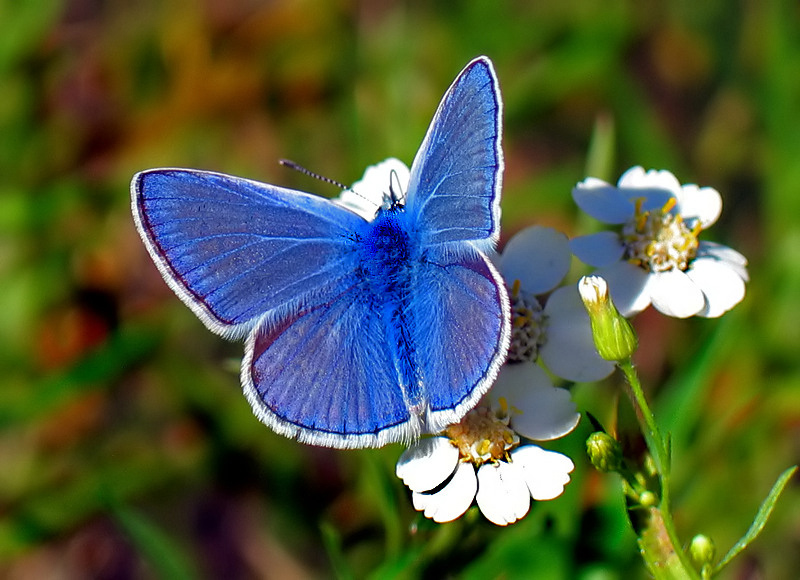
(126, 447)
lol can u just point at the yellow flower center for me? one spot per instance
(659, 241)
(483, 435)
(528, 326)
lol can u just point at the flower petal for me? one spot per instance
(369, 193)
(655, 188)
(546, 472)
(699, 203)
(628, 285)
(724, 254)
(720, 282)
(598, 250)
(538, 257)
(452, 500)
(427, 463)
(538, 410)
(602, 201)
(503, 495)
(378, 177)
(357, 204)
(675, 294)
(569, 351)
(637, 178)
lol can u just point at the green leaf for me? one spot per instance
(161, 552)
(760, 520)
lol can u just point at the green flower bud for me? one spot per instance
(613, 334)
(648, 499)
(604, 451)
(702, 550)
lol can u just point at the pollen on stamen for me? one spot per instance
(482, 436)
(658, 240)
(504, 406)
(641, 222)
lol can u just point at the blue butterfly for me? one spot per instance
(359, 332)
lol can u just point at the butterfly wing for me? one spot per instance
(283, 267)
(325, 376)
(236, 250)
(454, 189)
(461, 332)
(461, 307)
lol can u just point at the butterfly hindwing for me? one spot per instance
(235, 249)
(454, 191)
(332, 374)
(325, 375)
(461, 329)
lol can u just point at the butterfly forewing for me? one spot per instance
(235, 249)
(454, 191)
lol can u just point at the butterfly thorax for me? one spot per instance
(387, 248)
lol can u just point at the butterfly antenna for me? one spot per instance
(396, 193)
(303, 170)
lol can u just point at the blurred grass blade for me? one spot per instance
(332, 540)
(169, 561)
(405, 565)
(377, 484)
(600, 157)
(677, 409)
(760, 520)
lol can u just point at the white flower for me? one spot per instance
(657, 258)
(482, 459)
(533, 263)
(376, 189)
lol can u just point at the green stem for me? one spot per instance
(659, 542)
(664, 559)
(652, 435)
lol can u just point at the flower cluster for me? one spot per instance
(654, 256)
(558, 334)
